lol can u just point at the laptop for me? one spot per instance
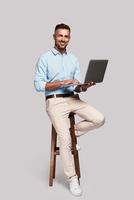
(96, 71)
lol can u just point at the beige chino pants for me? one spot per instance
(58, 110)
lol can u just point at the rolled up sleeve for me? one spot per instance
(77, 74)
(40, 79)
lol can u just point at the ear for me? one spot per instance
(54, 36)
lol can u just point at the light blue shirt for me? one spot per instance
(54, 66)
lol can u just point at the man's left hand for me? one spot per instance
(83, 87)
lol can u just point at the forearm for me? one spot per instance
(53, 85)
(58, 84)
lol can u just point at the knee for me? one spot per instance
(100, 121)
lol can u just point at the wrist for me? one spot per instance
(78, 89)
(81, 89)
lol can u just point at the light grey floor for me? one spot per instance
(106, 164)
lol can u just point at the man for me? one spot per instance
(57, 75)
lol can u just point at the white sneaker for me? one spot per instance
(75, 187)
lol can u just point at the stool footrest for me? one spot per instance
(57, 151)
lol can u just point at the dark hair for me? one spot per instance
(62, 26)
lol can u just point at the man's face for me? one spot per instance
(61, 37)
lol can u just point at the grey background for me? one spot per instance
(100, 29)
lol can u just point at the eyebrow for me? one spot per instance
(63, 35)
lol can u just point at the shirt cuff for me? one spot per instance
(40, 86)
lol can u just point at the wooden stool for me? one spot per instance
(56, 150)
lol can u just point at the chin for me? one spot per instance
(61, 47)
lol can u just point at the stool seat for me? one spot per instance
(55, 150)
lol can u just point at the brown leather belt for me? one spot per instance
(60, 95)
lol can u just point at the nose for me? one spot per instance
(63, 39)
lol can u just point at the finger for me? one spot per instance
(89, 84)
(76, 81)
(92, 83)
(84, 87)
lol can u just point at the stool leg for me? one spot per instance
(55, 145)
(74, 142)
(52, 157)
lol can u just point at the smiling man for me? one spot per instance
(57, 74)
(61, 37)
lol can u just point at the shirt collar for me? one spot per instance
(55, 51)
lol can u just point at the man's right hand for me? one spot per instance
(57, 84)
(69, 82)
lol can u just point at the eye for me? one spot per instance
(66, 36)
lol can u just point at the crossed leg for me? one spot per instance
(92, 118)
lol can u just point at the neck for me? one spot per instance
(60, 50)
